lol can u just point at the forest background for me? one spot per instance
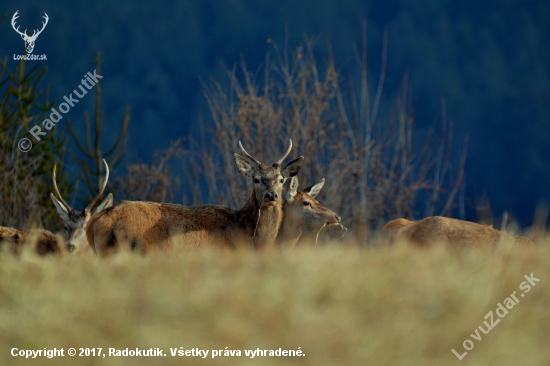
(486, 65)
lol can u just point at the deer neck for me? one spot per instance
(289, 234)
(262, 223)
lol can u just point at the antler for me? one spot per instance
(57, 190)
(248, 155)
(280, 161)
(102, 188)
(43, 26)
(13, 18)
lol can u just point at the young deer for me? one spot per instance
(457, 233)
(76, 221)
(148, 225)
(302, 209)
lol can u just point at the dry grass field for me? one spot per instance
(385, 305)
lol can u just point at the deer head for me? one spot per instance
(29, 40)
(302, 209)
(268, 180)
(77, 221)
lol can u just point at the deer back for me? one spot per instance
(457, 233)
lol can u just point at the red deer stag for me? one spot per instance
(302, 209)
(147, 225)
(457, 233)
(44, 241)
(76, 221)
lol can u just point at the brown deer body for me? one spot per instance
(302, 209)
(42, 241)
(147, 225)
(457, 233)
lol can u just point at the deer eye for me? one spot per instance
(282, 180)
(306, 203)
(256, 180)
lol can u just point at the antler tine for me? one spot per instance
(102, 188)
(13, 19)
(46, 18)
(248, 155)
(57, 190)
(280, 161)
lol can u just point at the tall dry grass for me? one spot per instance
(343, 306)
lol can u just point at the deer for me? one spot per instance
(457, 233)
(42, 241)
(76, 221)
(301, 209)
(29, 40)
(145, 226)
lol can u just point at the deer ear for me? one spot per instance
(314, 190)
(61, 210)
(293, 168)
(292, 189)
(243, 166)
(107, 202)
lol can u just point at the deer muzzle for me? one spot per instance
(271, 196)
